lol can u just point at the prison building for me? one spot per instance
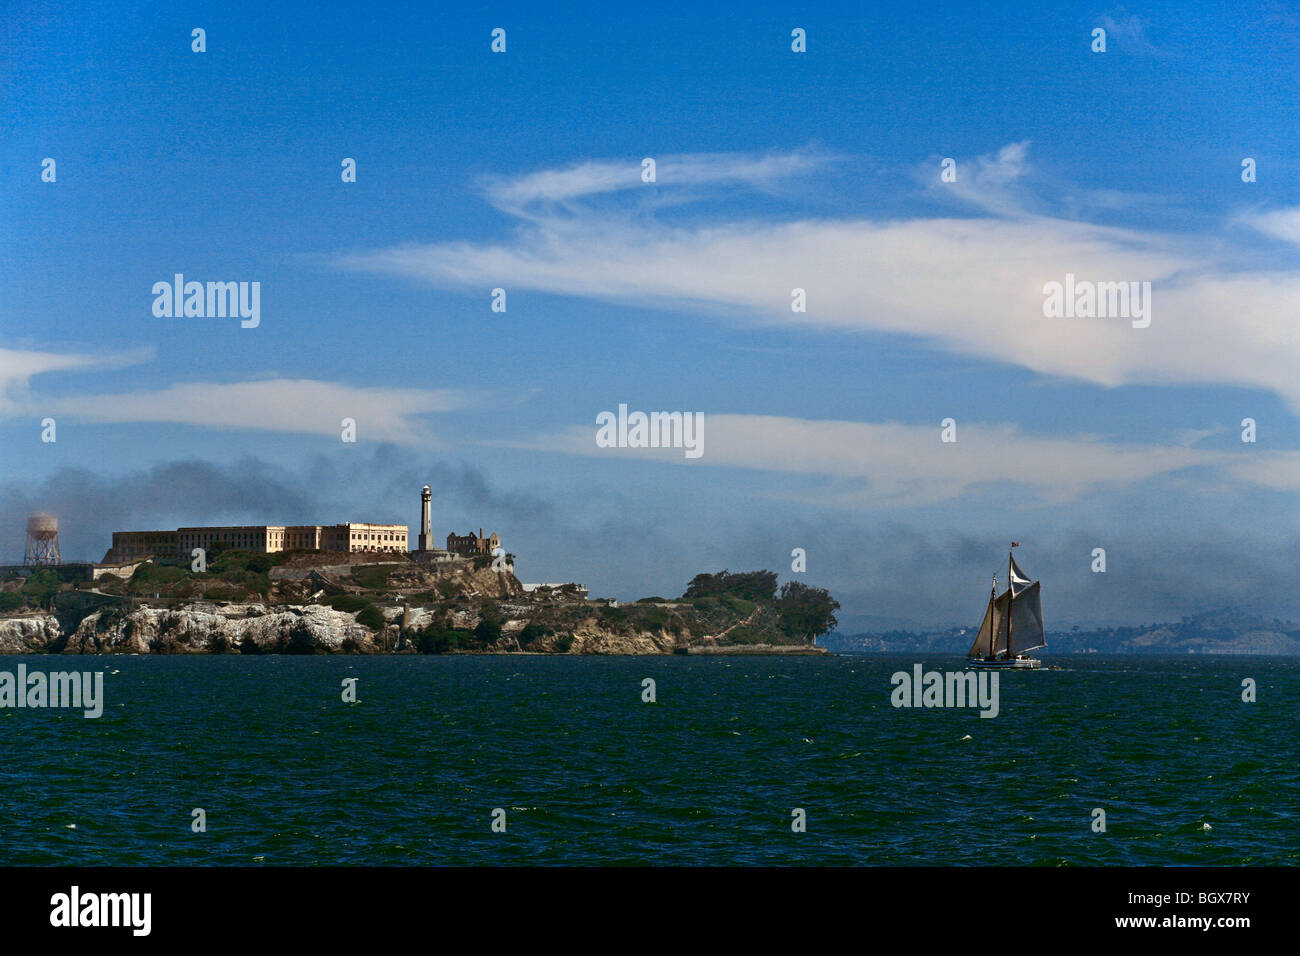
(368, 537)
(472, 543)
(142, 544)
(351, 536)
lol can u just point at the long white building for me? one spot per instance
(350, 536)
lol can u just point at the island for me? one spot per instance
(310, 601)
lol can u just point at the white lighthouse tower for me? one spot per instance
(426, 520)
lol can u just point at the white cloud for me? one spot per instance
(889, 464)
(1281, 224)
(590, 179)
(968, 286)
(986, 182)
(1279, 470)
(1131, 34)
(19, 367)
(277, 405)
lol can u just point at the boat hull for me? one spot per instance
(1006, 663)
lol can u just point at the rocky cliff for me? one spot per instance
(296, 629)
(29, 635)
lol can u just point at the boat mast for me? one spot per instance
(1011, 599)
(993, 605)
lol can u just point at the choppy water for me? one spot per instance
(588, 774)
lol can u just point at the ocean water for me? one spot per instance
(587, 773)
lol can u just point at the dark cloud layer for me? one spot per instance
(884, 572)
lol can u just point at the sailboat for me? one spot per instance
(1012, 625)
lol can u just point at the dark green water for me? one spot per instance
(588, 774)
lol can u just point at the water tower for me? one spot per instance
(42, 540)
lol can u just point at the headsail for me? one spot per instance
(1019, 580)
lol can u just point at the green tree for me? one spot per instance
(489, 626)
(371, 617)
(756, 586)
(39, 589)
(804, 612)
(531, 632)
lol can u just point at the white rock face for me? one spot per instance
(236, 628)
(206, 627)
(28, 635)
(421, 617)
(591, 639)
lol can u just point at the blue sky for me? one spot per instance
(775, 170)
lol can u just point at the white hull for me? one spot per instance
(1008, 664)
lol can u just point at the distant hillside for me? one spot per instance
(1225, 631)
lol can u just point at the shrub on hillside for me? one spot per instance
(372, 577)
(531, 632)
(348, 603)
(371, 617)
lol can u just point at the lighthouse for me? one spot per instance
(426, 520)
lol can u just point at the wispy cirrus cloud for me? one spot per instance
(987, 183)
(1128, 34)
(968, 286)
(888, 464)
(302, 406)
(279, 405)
(1281, 224)
(540, 192)
(18, 367)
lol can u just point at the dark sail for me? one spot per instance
(984, 640)
(1000, 623)
(1027, 621)
(992, 638)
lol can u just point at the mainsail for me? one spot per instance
(1027, 621)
